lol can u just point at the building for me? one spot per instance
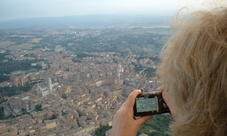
(120, 70)
(48, 89)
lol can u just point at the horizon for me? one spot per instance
(20, 9)
(90, 15)
(90, 21)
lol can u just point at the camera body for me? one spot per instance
(150, 103)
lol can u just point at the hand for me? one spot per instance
(124, 123)
(174, 111)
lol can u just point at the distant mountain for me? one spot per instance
(89, 21)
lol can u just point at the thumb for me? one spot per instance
(143, 119)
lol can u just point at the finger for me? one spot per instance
(161, 88)
(143, 119)
(132, 97)
(165, 95)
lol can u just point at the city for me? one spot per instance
(73, 92)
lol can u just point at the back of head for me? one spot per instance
(194, 72)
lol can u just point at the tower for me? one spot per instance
(50, 85)
(119, 71)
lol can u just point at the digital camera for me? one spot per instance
(150, 103)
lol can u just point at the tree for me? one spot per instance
(38, 107)
(101, 131)
(160, 125)
(10, 91)
(1, 114)
(150, 72)
(64, 96)
(54, 116)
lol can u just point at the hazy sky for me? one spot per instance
(12, 9)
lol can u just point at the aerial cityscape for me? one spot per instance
(78, 78)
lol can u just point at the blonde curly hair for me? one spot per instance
(194, 71)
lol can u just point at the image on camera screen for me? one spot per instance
(147, 104)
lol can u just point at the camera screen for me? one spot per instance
(146, 104)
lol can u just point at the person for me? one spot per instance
(193, 71)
